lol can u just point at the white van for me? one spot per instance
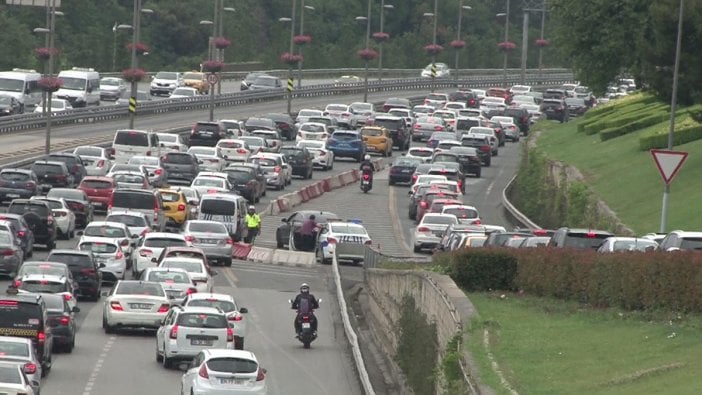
(23, 85)
(229, 209)
(81, 87)
(128, 143)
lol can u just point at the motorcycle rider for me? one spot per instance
(305, 303)
(368, 167)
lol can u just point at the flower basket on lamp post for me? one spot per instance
(290, 59)
(221, 43)
(506, 46)
(50, 84)
(367, 54)
(140, 48)
(458, 44)
(45, 53)
(212, 66)
(302, 39)
(433, 49)
(542, 43)
(133, 75)
(381, 37)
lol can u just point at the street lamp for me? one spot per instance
(221, 34)
(210, 54)
(505, 51)
(435, 16)
(383, 7)
(302, 32)
(115, 28)
(136, 32)
(368, 25)
(459, 42)
(291, 53)
(49, 31)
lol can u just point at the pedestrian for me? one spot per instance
(308, 232)
(253, 225)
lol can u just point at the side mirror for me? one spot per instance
(154, 260)
(193, 202)
(124, 243)
(76, 309)
(243, 310)
(79, 233)
(102, 265)
(135, 236)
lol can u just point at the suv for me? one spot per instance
(681, 240)
(348, 144)
(164, 82)
(469, 98)
(84, 269)
(398, 130)
(24, 232)
(300, 159)
(555, 109)
(38, 215)
(73, 162)
(52, 174)
(148, 202)
(253, 123)
(578, 238)
(24, 315)
(208, 134)
(197, 80)
(521, 118)
(18, 183)
(188, 330)
(182, 167)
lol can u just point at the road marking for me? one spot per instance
(98, 365)
(231, 277)
(395, 218)
(489, 188)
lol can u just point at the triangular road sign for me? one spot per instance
(668, 163)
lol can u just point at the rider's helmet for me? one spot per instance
(252, 209)
(367, 157)
(304, 288)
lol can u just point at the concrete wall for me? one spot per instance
(436, 295)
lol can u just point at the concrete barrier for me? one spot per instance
(346, 178)
(356, 174)
(304, 196)
(241, 251)
(293, 258)
(326, 184)
(312, 191)
(283, 204)
(334, 182)
(260, 254)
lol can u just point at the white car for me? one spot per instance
(63, 216)
(129, 179)
(512, 131)
(165, 82)
(619, 244)
(15, 379)
(436, 100)
(446, 145)
(188, 330)
(112, 88)
(51, 284)
(472, 112)
(109, 256)
(235, 150)
(534, 111)
(312, 131)
(455, 105)
(211, 157)
(236, 372)
(363, 112)
(57, 105)
(352, 234)
(197, 268)
(272, 137)
(344, 114)
(95, 159)
(490, 133)
(405, 113)
(306, 113)
(134, 304)
(21, 351)
(480, 93)
(137, 223)
(158, 175)
(523, 99)
(519, 89)
(150, 247)
(176, 282)
(466, 214)
(423, 153)
(448, 185)
(442, 71)
(172, 142)
(422, 110)
(184, 93)
(209, 184)
(323, 157)
(426, 179)
(430, 230)
(225, 302)
(278, 172)
(449, 116)
(493, 104)
(117, 231)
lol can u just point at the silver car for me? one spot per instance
(95, 159)
(425, 126)
(431, 229)
(272, 137)
(212, 237)
(158, 175)
(20, 350)
(176, 282)
(12, 256)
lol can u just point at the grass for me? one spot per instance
(626, 178)
(546, 346)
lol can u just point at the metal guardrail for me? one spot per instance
(516, 214)
(103, 113)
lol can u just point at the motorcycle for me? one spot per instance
(306, 335)
(366, 182)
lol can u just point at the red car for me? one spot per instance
(99, 189)
(438, 204)
(428, 199)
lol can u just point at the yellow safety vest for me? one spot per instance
(253, 221)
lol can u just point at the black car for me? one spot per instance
(396, 102)
(285, 124)
(207, 134)
(498, 239)
(9, 106)
(452, 171)
(18, 183)
(470, 161)
(255, 123)
(77, 201)
(246, 182)
(401, 136)
(293, 225)
(24, 232)
(521, 118)
(249, 79)
(24, 315)
(182, 167)
(38, 216)
(402, 169)
(73, 162)
(300, 159)
(62, 321)
(555, 109)
(84, 269)
(52, 174)
(576, 106)
(469, 98)
(481, 144)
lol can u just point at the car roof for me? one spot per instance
(205, 295)
(223, 352)
(201, 309)
(182, 259)
(150, 235)
(97, 239)
(106, 223)
(47, 277)
(70, 252)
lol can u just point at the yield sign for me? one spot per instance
(668, 163)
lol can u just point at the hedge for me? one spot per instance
(633, 126)
(680, 136)
(618, 103)
(619, 119)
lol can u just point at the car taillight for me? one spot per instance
(485, 148)
(203, 372)
(423, 204)
(145, 253)
(414, 178)
(181, 207)
(116, 306)
(174, 334)
(191, 291)
(331, 240)
(87, 271)
(460, 185)
(438, 127)
(417, 126)
(17, 283)
(112, 151)
(477, 222)
(241, 151)
(158, 172)
(101, 163)
(190, 238)
(164, 308)
(67, 297)
(277, 169)
(230, 334)
(119, 255)
(64, 321)
(230, 241)
(41, 337)
(261, 375)
(423, 229)
(235, 318)
(29, 368)
(29, 185)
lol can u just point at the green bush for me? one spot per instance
(482, 269)
(625, 116)
(680, 136)
(417, 348)
(633, 126)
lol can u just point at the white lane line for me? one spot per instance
(395, 218)
(489, 188)
(98, 365)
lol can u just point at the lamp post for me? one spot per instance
(461, 7)
(220, 33)
(50, 32)
(115, 28)
(383, 7)
(291, 52)
(366, 18)
(435, 16)
(541, 37)
(211, 56)
(303, 7)
(136, 32)
(505, 52)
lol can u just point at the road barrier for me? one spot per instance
(517, 215)
(293, 258)
(260, 255)
(241, 250)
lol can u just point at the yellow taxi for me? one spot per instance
(175, 206)
(197, 80)
(377, 140)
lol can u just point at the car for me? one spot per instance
(84, 269)
(129, 179)
(425, 126)
(111, 259)
(266, 83)
(11, 254)
(9, 106)
(73, 162)
(470, 160)
(52, 174)
(209, 158)
(520, 99)
(186, 331)
(197, 268)
(62, 320)
(42, 283)
(436, 137)
(555, 93)
(124, 167)
(273, 167)
(396, 102)
(226, 303)
(249, 79)
(287, 234)
(57, 106)
(260, 123)
(521, 117)
(422, 168)
(401, 170)
(467, 97)
(23, 232)
(96, 160)
(18, 183)
(445, 146)
(579, 238)
(400, 133)
(430, 230)
(312, 131)
(450, 168)
(534, 242)
(347, 240)
(347, 79)
(211, 184)
(426, 179)
(179, 251)
(235, 150)
(519, 89)
(234, 127)
(172, 142)
(158, 175)
(112, 88)
(134, 304)
(436, 100)
(534, 111)
(466, 214)
(437, 205)
(576, 107)
(141, 97)
(284, 123)
(20, 351)
(77, 201)
(331, 122)
(151, 245)
(43, 268)
(493, 104)
(555, 109)
(347, 144)
(482, 145)
(417, 196)
(247, 181)
(176, 207)
(197, 80)
(486, 132)
(39, 218)
(176, 282)
(227, 208)
(272, 137)
(165, 83)
(619, 244)
(98, 189)
(224, 371)
(500, 93)
(304, 114)
(207, 134)
(300, 159)
(211, 237)
(112, 231)
(182, 167)
(681, 240)
(343, 113)
(28, 312)
(422, 110)
(422, 153)
(454, 236)
(63, 216)
(15, 379)
(363, 111)
(257, 144)
(442, 71)
(512, 130)
(137, 224)
(322, 157)
(184, 92)
(377, 140)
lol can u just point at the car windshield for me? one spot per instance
(202, 320)
(209, 182)
(163, 242)
(203, 151)
(12, 176)
(188, 266)
(168, 277)
(207, 227)
(309, 113)
(50, 287)
(88, 151)
(371, 132)
(109, 82)
(461, 212)
(225, 305)
(691, 243)
(633, 245)
(421, 153)
(11, 85)
(439, 220)
(232, 365)
(165, 75)
(72, 194)
(98, 247)
(143, 160)
(337, 107)
(49, 270)
(167, 138)
(265, 162)
(265, 81)
(11, 375)
(125, 178)
(230, 144)
(72, 83)
(306, 127)
(348, 229)
(139, 288)
(47, 168)
(362, 107)
(14, 349)
(129, 220)
(345, 136)
(181, 159)
(406, 162)
(575, 102)
(253, 141)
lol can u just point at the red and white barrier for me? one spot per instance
(260, 255)
(241, 251)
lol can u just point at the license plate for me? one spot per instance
(438, 233)
(305, 325)
(200, 342)
(96, 204)
(209, 241)
(407, 171)
(140, 306)
(232, 381)
(13, 195)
